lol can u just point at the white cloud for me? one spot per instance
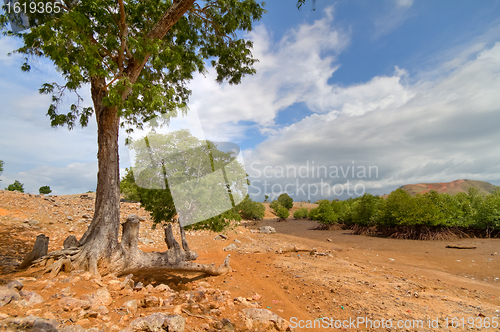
(71, 179)
(287, 72)
(430, 131)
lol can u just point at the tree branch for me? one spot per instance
(123, 37)
(171, 16)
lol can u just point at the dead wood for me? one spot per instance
(459, 247)
(40, 249)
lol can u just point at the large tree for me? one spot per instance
(137, 57)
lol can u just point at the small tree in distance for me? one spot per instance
(285, 201)
(16, 186)
(1, 168)
(45, 190)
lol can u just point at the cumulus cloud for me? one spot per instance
(73, 178)
(439, 130)
(287, 72)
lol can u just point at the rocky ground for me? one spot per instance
(294, 278)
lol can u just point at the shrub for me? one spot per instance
(44, 190)
(300, 213)
(251, 210)
(282, 212)
(128, 188)
(274, 205)
(218, 223)
(16, 186)
(324, 213)
(285, 201)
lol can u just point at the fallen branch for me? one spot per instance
(312, 252)
(194, 315)
(459, 247)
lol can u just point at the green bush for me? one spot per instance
(365, 210)
(282, 212)
(128, 188)
(45, 190)
(274, 205)
(16, 186)
(251, 210)
(285, 201)
(324, 213)
(301, 213)
(218, 223)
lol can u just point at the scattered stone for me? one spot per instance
(138, 286)
(29, 299)
(30, 323)
(263, 319)
(7, 295)
(72, 229)
(232, 246)
(70, 303)
(163, 288)
(237, 241)
(145, 240)
(328, 240)
(15, 284)
(86, 216)
(267, 229)
(149, 302)
(78, 328)
(33, 223)
(130, 306)
(128, 283)
(70, 218)
(100, 297)
(157, 322)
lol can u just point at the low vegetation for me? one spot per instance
(16, 186)
(419, 217)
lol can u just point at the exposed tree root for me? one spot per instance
(126, 257)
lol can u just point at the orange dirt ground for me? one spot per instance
(359, 276)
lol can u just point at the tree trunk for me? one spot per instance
(100, 250)
(100, 241)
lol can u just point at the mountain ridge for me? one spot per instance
(452, 188)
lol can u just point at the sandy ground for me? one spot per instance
(404, 281)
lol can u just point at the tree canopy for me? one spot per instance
(15, 186)
(45, 190)
(140, 54)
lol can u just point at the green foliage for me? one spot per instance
(45, 190)
(285, 201)
(159, 202)
(1, 168)
(282, 212)
(465, 210)
(251, 210)
(274, 205)
(16, 186)
(324, 213)
(365, 209)
(266, 199)
(141, 64)
(128, 188)
(218, 223)
(301, 213)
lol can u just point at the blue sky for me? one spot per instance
(408, 89)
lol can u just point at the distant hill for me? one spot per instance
(451, 188)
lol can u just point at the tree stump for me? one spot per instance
(40, 248)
